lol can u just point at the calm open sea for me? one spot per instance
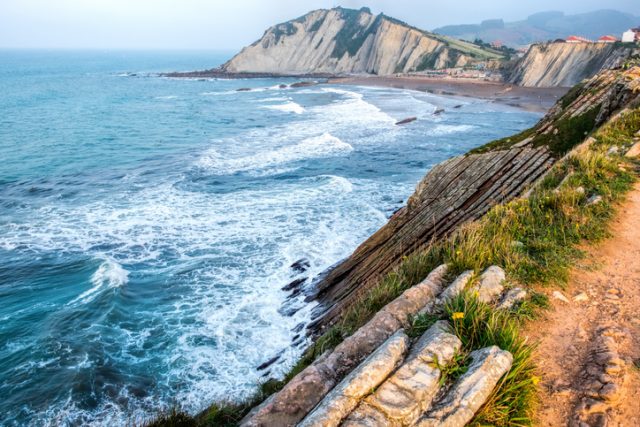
(147, 225)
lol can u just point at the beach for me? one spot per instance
(528, 98)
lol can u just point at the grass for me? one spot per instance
(480, 326)
(535, 239)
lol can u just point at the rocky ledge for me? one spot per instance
(464, 188)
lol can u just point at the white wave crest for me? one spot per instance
(109, 275)
(325, 145)
(288, 107)
(440, 130)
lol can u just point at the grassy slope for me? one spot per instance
(535, 239)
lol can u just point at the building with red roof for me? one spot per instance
(607, 39)
(577, 39)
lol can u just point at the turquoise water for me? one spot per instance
(147, 225)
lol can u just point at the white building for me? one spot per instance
(628, 37)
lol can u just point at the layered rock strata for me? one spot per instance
(342, 41)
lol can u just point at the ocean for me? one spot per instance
(148, 224)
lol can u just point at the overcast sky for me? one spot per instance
(222, 24)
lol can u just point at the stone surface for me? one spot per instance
(456, 287)
(634, 151)
(581, 297)
(471, 390)
(369, 374)
(307, 388)
(410, 390)
(594, 200)
(511, 298)
(560, 296)
(490, 285)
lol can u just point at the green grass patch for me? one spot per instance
(513, 401)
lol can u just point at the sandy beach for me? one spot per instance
(528, 98)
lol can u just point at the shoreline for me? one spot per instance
(527, 98)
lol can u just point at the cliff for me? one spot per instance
(565, 64)
(464, 188)
(389, 370)
(352, 41)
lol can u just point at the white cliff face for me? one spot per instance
(562, 64)
(349, 41)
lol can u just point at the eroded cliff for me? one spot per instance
(352, 41)
(565, 64)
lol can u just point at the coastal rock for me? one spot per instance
(563, 64)
(305, 390)
(490, 285)
(512, 298)
(343, 41)
(244, 89)
(407, 120)
(634, 151)
(409, 391)
(302, 84)
(438, 111)
(471, 390)
(372, 371)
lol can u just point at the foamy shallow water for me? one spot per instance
(147, 225)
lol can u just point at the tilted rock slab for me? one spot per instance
(471, 390)
(491, 284)
(403, 397)
(511, 298)
(345, 396)
(453, 290)
(454, 192)
(305, 390)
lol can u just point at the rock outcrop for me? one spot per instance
(463, 188)
(379, 377)
(352, 41)
(565, 64)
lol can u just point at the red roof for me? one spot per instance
(608, 38)
(577, 39)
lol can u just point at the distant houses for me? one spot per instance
(577, 39)
(632, 35)
(607, 39)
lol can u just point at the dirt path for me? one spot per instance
(590, 346)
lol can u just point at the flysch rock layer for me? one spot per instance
(462, 189)
(305, 390)
(369, 374)
(409, 391)
(352, 41)
(471, 390)
(565, 64)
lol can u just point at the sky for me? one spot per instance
(229, 25)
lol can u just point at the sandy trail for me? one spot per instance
(580, 340)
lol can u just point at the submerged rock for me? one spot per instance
(407, 120)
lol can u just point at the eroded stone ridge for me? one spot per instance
(409, 391)
(345, 396)
(471, 390)
(305, 390)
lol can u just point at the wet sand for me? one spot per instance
(528, 98)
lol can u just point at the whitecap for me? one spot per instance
(167, 97)
(109, 275)
(287, 107)
(325, 145)
(440, 130)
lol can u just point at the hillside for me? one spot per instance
(352, 41)
(545, 26)
(565, 64)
